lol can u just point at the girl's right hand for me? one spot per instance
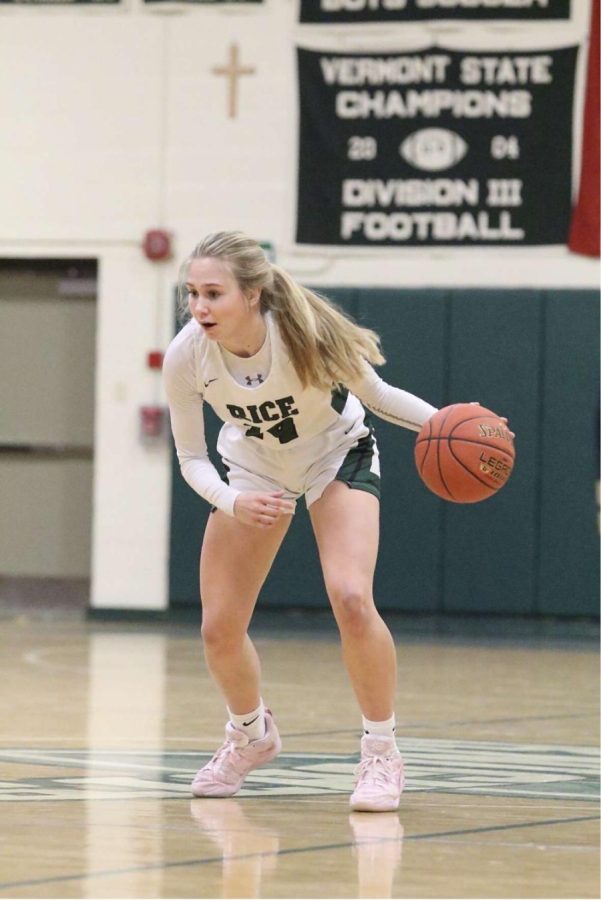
(262, 510)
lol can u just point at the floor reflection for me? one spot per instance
(126, 708)
(378, 839)
(251, 851)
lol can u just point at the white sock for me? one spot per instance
(252, 723)
(386, 728)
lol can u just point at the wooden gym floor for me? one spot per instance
(102, 726)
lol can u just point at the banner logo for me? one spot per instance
(433, 149)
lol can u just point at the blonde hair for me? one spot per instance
(325, 345)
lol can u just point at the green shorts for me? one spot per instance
(360, 468)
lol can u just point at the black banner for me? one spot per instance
(59, 2)
(435, 148)
(204, 2)
(343, 11)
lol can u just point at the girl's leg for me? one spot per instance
(234, 563)
(346, 526)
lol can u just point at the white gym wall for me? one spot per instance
(114, 122)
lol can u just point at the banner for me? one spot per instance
(585, 232)
(345, 11)
(204, 2)
(434, 148)
(59, 2)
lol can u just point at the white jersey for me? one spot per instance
(276, 427)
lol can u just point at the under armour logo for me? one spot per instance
(250, 380)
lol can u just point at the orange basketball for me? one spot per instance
(464, 453)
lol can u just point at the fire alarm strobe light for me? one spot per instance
(154, 359)
(157, 244)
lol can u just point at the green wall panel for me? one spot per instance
(489, 547)
(411, 325)
(569, 539)
(533, 548)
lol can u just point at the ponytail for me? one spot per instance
(326, 347)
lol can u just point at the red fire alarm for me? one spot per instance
(152, 423)
(157, 244)
(154, 359)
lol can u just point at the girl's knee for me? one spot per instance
(353, 607)
(218, 635)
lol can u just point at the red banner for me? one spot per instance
(584, 231)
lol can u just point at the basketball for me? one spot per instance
(464, 453)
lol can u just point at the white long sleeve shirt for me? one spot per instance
(261, 400)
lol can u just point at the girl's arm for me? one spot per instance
(187, 425)
(390, 403)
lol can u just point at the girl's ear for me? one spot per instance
(254, 297)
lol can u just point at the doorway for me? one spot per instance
(47, 364)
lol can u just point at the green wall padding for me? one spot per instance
(489, 547)
(530, 550)
(569, 540)
(411, 325)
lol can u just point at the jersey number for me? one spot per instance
(284, 430)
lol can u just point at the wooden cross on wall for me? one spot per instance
(232, 70)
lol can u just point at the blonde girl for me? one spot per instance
(291, 377)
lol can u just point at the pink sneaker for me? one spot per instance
(224, 774)
(380, 778)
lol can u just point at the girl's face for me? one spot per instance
(217, 303)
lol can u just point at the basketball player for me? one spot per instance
(289, 375)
